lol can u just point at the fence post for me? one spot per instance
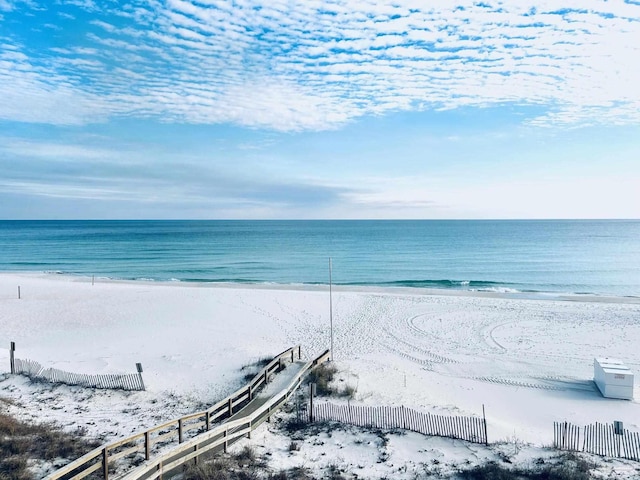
(230, 407)
(147, 446)
(139, 368)
(299, 353)
(180, 430)
(311, 392)
(18, 292)
(12, 360)
(484, 421)
(105, 464)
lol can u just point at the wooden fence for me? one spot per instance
(599, 439)
(35, 371)
(472, 429)
(141, 446)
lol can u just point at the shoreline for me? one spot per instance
(308, 287)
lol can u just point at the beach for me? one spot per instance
(528, 361)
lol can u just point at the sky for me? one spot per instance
(287, 109)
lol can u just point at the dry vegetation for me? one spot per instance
(245, 465)
(568, 467)
(323, 376)
(22, 444)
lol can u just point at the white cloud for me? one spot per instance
(291, 65)
(55, 151)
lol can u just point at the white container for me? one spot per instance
(613, 378)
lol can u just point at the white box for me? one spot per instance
(613, 378)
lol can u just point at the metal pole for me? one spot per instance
(330, 308)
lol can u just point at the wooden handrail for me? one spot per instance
(85, 465)
(202, 443)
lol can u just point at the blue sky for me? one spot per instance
(319, 109)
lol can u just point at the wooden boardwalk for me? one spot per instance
(194, 435)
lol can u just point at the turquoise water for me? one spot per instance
(595, 257)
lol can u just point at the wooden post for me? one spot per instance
(105, 464)
(180, 430)
(311, 392)
(139, 368)
(208, 419)
(250, 393)
(230, 407)
(484, 419)
(299, 353)
(12, 360)
(226, 443)
(195, 459)
(18, 292)
(92, 279)
(266, 376)
(147, 446)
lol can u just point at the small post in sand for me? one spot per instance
(12, 361)
(484, 419)
(312, 391)
(18, 292)
(139, 368)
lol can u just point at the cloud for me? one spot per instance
(312, 65)
(85, 171)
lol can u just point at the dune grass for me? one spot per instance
(22, 443)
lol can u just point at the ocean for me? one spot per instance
(599, 257)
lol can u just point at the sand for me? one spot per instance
(527, 359)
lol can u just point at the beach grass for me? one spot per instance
(22, 444)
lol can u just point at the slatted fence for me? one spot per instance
(35, 371)
(472, 429)
(566, 436)
(597, 438)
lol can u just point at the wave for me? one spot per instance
(444, 283)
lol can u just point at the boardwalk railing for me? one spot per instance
(472, 429)
(223, 435)
(599, 439)
(141, 446)
(35, 371)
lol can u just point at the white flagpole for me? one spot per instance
(330, 309)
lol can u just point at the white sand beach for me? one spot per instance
(528, 361)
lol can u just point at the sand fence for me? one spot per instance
(471, 429)
(36, 372)
(609, 440)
